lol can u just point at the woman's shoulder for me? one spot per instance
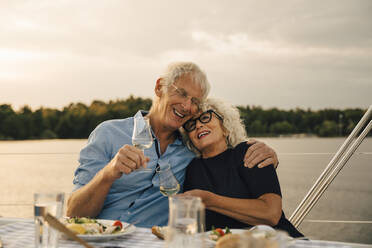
(243, 144)
(239, 152)
(241, 148)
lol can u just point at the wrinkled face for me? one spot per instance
(179, 103)
(206, 131)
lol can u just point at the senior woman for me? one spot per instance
(234, 196)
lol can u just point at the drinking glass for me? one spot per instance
(186, 226)
(52, 203)
(168, 183)
(142, 137)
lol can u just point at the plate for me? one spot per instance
(259, 231)
(104, 237)
(233, 231)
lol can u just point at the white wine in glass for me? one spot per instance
(142, 137)
(168, 183)
(141, 144)
(169, 191)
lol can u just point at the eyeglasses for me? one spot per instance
(204, 118)
(181, 93)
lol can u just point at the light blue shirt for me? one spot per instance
(135, 196)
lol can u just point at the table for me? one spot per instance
(20, 234)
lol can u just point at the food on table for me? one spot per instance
(118, 223)
(229, 241)
(253, 239)
(76, 228)
(217, 233)
(268, 240)
(88, 226)
(159, 231)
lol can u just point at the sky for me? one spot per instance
(286, 54)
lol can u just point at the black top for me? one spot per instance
(226, 175)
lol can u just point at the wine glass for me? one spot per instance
(142, 137)
(167, 181)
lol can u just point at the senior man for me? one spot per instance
(109, 184)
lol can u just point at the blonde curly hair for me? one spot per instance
(231, 122)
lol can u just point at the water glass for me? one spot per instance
(186, 227)
(52, 203)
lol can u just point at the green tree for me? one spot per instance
(51, 119)
(281, 127)
(23, 124)
(328, 129)
(73, 122)
(77, 120)
(256, 128)
(6, 112)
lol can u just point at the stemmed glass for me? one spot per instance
(169, 185)
(142, 137)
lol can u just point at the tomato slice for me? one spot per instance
(118, 224)
(220, 231)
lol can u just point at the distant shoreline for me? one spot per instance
(77, 120)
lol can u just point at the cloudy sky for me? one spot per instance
(286, 54)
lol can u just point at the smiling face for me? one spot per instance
(176, 105)
(208, 137)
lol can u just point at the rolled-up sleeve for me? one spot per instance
(93, 157)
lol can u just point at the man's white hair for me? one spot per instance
(176, 70)
(231, 122)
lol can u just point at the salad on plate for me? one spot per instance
(88, 226)
(98, 229)
(216, 233)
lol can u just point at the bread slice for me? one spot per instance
(159, 231)
(228, 241)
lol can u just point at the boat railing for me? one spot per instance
(336, 164)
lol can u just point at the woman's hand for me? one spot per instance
(260, 154)
(266, 209)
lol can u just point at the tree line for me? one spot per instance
(77, 120)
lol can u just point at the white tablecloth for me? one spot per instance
(21, 235)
